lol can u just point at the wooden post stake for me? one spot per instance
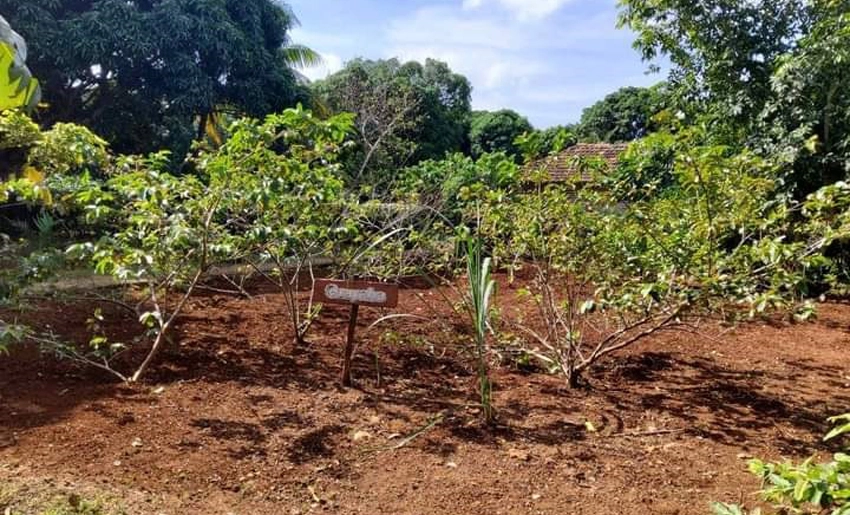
(349, 346)
(354, 293)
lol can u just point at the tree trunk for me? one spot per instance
(157, 345)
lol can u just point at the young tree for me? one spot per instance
(267, 194)
(286, 201)
(608, 275)
(406, 113)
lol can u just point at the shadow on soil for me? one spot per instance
(702, 396)
(729, 405)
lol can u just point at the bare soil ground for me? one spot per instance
(236, 419)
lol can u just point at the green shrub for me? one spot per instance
(270, 194)
(807, 488)
(715, 246)
(455, 184)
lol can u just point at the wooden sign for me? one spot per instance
(379, 295)
(354, 294)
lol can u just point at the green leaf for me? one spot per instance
(17, 87)
(838, 431)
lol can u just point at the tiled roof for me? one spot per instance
(569, 162)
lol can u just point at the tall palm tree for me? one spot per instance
(298, 56)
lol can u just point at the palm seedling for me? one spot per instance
(481, 288)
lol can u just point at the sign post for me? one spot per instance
(354, 294)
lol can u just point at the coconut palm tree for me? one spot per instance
(298, 56)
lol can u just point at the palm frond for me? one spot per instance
(300, 56)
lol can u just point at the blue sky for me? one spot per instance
(547, 59)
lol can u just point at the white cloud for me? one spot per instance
(511, 64)
(524, 10)
(448, 27)
(547, 59)
(331, 63)
(486, 68)
(318, 41)
(490, 53)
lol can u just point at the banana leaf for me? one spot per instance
(18, 88)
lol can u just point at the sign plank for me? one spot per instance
(354, 294)
(381, 295)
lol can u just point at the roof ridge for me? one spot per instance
(563, 164)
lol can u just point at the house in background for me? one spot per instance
(578, 163)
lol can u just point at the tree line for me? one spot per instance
(154, 75)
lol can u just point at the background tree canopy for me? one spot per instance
(406, 112)
(806, 119)
(722, 51)
(446, 105)
(765, 74)
(142, 73)
(624, 115)
(496, 131)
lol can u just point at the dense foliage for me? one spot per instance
(454, 184)
(538, 144)
(765, 74)
(722, 51)
(405, 113)
(624, 115)
(497, 131)
(806, 120)
(147, 75)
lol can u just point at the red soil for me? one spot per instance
(238, 420)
